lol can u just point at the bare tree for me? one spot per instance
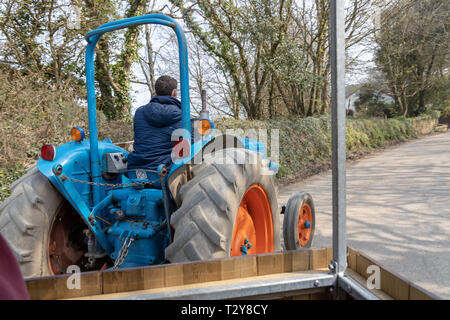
(241, 35)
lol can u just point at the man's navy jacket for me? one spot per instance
(153, 127)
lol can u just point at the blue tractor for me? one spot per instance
(80, 205)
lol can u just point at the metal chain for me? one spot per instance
(123, 252)
(109, 185)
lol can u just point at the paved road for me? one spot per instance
(398, 210)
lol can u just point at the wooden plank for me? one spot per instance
(319, 259)
(198, 272)
(154, 277)
(239, 268)
(173, 275)
(351, 258)
(390, 284)
(363, 281)
(394, 286)
(50, 288)
(329, 255)
(231, 269)
(133, 279)
(362, 263)
(123, 280)
(248, 266)
(287, 261)
(270, 263)
(300, 260)
(417, 293)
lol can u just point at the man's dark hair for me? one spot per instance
(165, 85)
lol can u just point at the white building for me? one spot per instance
(352, 95)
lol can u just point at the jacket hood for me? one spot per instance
(166, 100)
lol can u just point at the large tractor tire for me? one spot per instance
(228, 208)
(35, 221)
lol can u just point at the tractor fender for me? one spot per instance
(73, 157)
(215, 143)
(180, 171)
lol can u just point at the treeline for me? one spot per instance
(259, 59)
(412, 55)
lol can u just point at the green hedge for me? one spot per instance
(305, 143)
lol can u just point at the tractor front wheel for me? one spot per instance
(299, 222)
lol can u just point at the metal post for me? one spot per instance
(345, 284)
(337, 56)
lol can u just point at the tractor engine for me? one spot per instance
(139, 228)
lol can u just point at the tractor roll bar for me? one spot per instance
(92, 38)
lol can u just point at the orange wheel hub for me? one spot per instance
(304, 224)
(253, 227)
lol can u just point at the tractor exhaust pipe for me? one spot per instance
(204, 114)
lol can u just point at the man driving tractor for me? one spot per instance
(153, 127)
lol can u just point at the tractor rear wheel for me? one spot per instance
(41, 228)
(228, 208)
